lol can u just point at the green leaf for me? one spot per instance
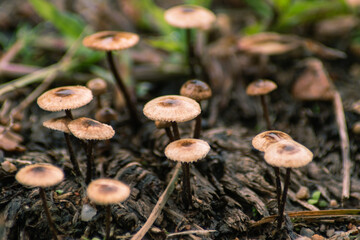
(59, 191)
(261, 8)
(204, 3)
(312, 201)
(68, 24)
(322, 203)
(316, 195)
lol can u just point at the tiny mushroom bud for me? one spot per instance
(109, 41)
(60, 124)
(172, 108)
(106, 115)
(90, 130)
(186, 151)
(41, 175)
(105, 192)
(98, 86)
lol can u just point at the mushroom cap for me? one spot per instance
(89, 129)
(288, 154)
(263, 140)
(59, 124)
(40, 175)
(196, 89)
(172, 108)
(260, 87)
(107, 191)
(187, 150)
(106, 115)
(64, 98)
(111, 40)
(97, 86)
(189, 16)
(355, 107)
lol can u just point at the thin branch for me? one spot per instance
(159, 205)
(197, 232)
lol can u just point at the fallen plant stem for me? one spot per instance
(310, 214)
(11, 53)
(159, 205)
(197, 232)
(344, 142)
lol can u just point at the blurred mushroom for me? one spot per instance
(98, 86)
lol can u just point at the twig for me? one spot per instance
(344, 142)
(14, 69)
(65, 61)
(310, 214)
(11, 53)
(198, 232)
(159, 205)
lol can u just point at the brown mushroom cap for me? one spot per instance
(97, 86)
(263, 140)
(172, 108)
(260, 87)
(196, 89)
(106, 115)
(40, 175)
(111, 40)
(187, 150)
(356, 107)
(288, 154)
(64, 98)
(189, 16)
(89, 129)
(59, 124)
(107, 191)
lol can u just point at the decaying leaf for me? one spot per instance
(10, 141)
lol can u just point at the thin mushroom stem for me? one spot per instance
(129, 100)
(169, 134)
(283, 201)
(265, 112)
(197, 129)
(278, 186)
(69, 114)
(186, 185)
(108, 218)
(72, 156)
(175, 130)
(47, 213)
(89, 161)
(98, 101)
(190, 52)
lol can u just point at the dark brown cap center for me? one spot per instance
(186, 143)
(169, 102)
(289, 149)
(63, 92)
(104, 188)
(38, 169)
(90, 123)
(188, 9)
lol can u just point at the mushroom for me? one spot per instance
(90, 130)
(65, 98)
(60, 124)
(172, 108)
(98, 87)
(41, 175)
(106, 115)
(105, 192)
(109, 41)
(197, 90)
(260, 88)
(288, 154)
(186, 151)
(166, 126)
(188, 17)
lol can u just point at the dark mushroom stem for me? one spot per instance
(47, 213)
(169, 134)
(69, 114)
(98, 101)
(89, 161)
(108, 218)
(190, 52)
(283, 200)
(175, 130)
(72, 156)
(197, 129)
(278, 186)
(186, 185)
(130, 100)
(265, 112)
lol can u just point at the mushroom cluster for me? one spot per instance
(282, 151)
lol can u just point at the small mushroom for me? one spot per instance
(90, 130)
(186, 151)
(189, 17)
(288, 154)
(109, 41)
(197, 90)
(98, 87)
(60, 124)
(41, 175)
(106, 192)
(261, 88)
(106, 115)
(172, 108)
